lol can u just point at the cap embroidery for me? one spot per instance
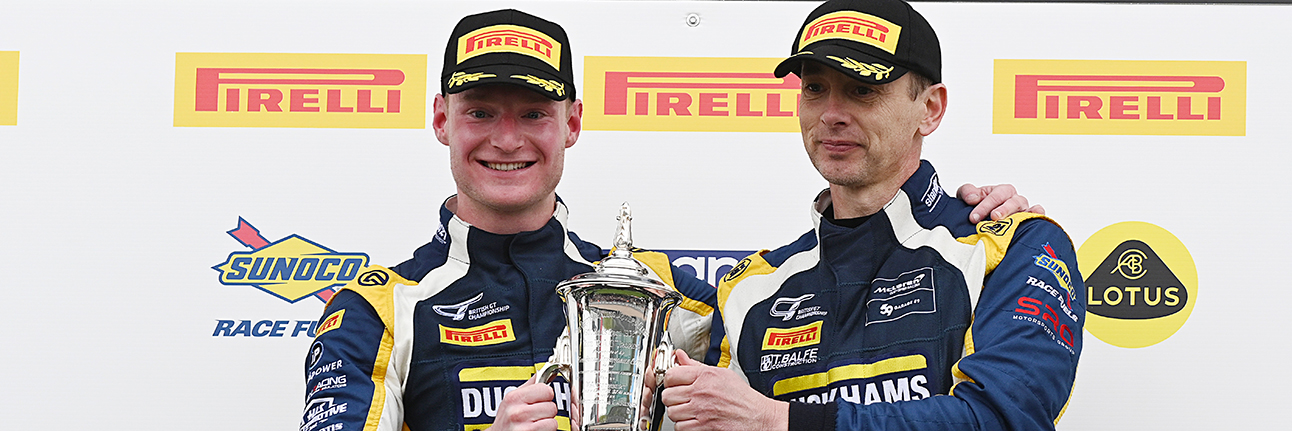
(864, 69)
(460, 78)
(548, 85)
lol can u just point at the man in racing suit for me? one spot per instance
(893, 313)
(450, 339)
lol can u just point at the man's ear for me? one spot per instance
(440, 119)
(935, 106)
(574, 122)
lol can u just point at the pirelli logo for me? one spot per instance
(854, 26)
(332, 321)
(688, 95)
(1093, 97)
(495, 332)
(792, 338)
(8, 88)
(300, 90)
(510, 38)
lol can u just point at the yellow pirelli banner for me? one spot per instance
(1118, 97)
(300, 90)
(688, 94)
(8, 88)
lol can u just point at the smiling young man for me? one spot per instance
(894, 313)
(450, 339)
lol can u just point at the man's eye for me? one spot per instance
(864, 90)
(812, 88)
(534, 115)
(478, 114)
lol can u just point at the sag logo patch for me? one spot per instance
(1143, 287)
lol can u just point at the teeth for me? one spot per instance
(506, 166)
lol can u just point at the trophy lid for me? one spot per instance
(620, 268)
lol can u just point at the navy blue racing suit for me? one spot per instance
(435, 342)
(911, 319)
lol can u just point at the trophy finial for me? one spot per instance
(621, 258)
(624, 232)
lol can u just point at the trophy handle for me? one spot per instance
(664, 359)
(560, 362)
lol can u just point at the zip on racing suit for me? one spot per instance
(914, 319)
(435, 342)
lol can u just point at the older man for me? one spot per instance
(893, 313)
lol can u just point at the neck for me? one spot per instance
(503, 222)
(852, 201)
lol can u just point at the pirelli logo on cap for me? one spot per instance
(332, 321)
(792, 338)
(8, 88)
(495, 332)
(300, 90)
(1116, 97)
(854, 26)
(688, 94)
(510, 38)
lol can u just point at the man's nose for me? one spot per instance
(836, 112)
(507, 135)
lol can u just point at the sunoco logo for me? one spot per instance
(689, 94)
(1143, 285)
(8, 88)
(291, 268)
(300, 90)
(1082, 97)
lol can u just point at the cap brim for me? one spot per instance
(526, 77)
(857, 64)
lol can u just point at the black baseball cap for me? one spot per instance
(512, 47)
(874, 41)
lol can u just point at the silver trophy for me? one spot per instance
(616, 348)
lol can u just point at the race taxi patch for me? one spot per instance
(495, 332)
(331, 322)
(792, 338)
(910, 293)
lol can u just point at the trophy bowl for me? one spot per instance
(615, 348)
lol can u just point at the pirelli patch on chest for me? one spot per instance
(495, 332)
(792, 338)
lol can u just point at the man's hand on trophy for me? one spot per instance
(996, 201)
(529, 407)
(701, 398)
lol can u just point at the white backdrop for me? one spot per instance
(113, 217)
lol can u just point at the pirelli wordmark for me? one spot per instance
(300, 90)
(688, 94)
(1091, 97)
(8, 88)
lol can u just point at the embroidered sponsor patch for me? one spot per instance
(792, 338)
(495, 332)
(333, 321)
(909, 293)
